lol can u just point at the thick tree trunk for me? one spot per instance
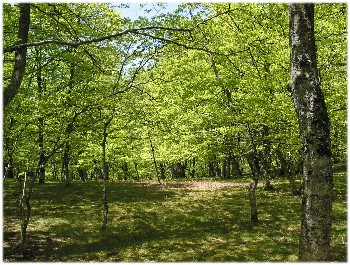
(235, 166)
(12, 88)
(314, 127)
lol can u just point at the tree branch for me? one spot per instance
(96, 40)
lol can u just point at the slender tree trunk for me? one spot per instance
(283, 164)
(253, 164)
(65, 160)
(105, 179)
(42, 167)
(27, 182)
(8, 165)
(19, 68)
(105, 174)
(154, 158)
(252, 200)
(314, 127)
(137, 171)
(212, 166)
(40, 121)
(162, 170)
(65, 165)
(54, 171)
(266, 160)
(125, 170)
(193, 171)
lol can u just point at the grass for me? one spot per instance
(181, 221)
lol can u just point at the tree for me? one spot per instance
(314, 129)
(19, 67)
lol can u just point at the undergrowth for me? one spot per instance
(172, 222)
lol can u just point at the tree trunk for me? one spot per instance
(82, 174)
(105, 179)
(224, 166)
(154, 157)
(65, 165)
(283, 164)
(252, 201)
(314, 129)
(137, 171)
(54, 172)
(193, 171)
(266, 160)
(162, 170)
(27, 183)
(40, 121)
(105, 173)
(125, 170)
(235, 166)
(19, 68)
(212, 164)
(254, 167)
(42, 168)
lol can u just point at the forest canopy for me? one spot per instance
(199, 82)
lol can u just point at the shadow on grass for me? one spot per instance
(152, 223)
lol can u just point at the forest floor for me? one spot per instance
(173, 221)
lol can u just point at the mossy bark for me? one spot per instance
(314, 127)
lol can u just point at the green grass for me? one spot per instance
(149, 222)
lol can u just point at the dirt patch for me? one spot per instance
(196, 185)
(205, 185)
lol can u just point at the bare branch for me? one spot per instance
(96, 40)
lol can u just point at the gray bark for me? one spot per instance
(253, 164)
(105, 174)
(314, 127)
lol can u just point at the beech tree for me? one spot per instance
(314, 129)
